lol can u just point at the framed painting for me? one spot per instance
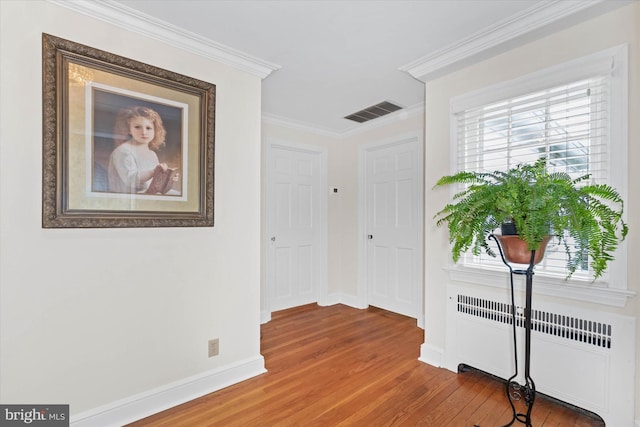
(125, 144)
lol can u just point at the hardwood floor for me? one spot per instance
(339, 366)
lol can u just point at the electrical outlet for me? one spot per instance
(214, 347)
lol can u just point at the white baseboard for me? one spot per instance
(332, 299)
(265, 317)
(431, 355)
(350, 300)
(156, 400)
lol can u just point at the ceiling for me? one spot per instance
(332, 58)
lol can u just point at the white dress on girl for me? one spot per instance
(126, 163)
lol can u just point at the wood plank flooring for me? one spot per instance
(339, 366)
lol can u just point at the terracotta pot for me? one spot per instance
(515, 249)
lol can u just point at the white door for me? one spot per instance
(393, 217)
(296, 208)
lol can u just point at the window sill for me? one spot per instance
(544, 285)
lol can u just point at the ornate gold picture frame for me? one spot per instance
(125, 144)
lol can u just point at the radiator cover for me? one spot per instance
(579, 355)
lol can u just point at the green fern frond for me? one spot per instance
(539, 203)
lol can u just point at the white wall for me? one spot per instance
(278, 132)
(89, 317)
(611, 29)
(92, 316)
(347, 173)
(342, 171)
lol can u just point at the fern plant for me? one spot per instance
(585, 218)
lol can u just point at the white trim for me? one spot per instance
(362, 291)
(533, 18)
(265, 316)
(544, 285)
(431, 355)
(345, 299)
(362, 232)
(598, 377)
(321, 212)
(132, 20)
(396, 116)
(613, 61)
(298, 125)
(333, 299)
(399, 115)
(151, 402)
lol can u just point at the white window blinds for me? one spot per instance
(568, 124)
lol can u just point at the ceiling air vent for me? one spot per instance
(373, 112)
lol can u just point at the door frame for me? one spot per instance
(322, 215)
(363, 150)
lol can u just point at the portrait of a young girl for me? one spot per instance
(138, 134)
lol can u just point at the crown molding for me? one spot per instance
(571, 289)
(288, 123)
(531, 19)
(396, 116)
(130, 19)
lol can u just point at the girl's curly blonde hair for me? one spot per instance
(121, 127)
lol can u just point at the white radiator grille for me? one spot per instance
(579, 354)
(572, 328)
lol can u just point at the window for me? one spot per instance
(573, 114)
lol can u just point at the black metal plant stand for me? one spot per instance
(516, 391)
